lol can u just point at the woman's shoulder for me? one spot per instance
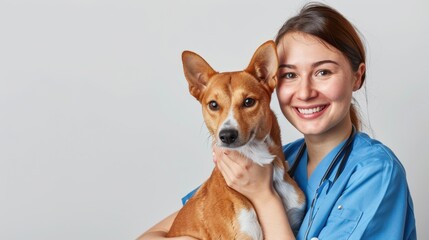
(372, 149)
(372, 154)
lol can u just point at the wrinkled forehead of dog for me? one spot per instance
(237, 85)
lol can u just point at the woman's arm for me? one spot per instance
(272, 216)
(160, 230)
(255, 183)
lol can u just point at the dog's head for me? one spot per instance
(236, 105)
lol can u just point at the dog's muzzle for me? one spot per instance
(228, 136)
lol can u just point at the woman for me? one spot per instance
(355, 186)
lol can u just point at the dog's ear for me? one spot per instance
(264, 65)
(197, 73)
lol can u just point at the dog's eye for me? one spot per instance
(248, 102)
(213, 105)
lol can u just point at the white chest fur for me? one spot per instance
(249, 224)
(258, 151)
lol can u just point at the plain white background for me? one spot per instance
(99, 137)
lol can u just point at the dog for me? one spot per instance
(236, 110)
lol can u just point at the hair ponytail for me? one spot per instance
(354, 115)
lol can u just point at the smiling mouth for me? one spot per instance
(309, 111)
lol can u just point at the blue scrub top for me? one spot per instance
(369, 200)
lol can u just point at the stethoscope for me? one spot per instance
(341, 157)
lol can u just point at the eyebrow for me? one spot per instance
(316, 64)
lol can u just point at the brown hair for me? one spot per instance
(333, 28)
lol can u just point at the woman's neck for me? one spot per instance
(318, 146)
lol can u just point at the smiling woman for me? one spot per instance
(316, 82)
(321, 64)
(335, 32)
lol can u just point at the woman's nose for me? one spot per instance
(306, 90)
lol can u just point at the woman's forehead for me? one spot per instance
(298, 46)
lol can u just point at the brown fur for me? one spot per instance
(212, 212)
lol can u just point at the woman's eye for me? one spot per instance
(249, 102)
(323, 73)
(288, 75)
(213, 106)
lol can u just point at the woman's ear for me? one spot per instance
(359, 77)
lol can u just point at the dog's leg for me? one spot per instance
(291, 201)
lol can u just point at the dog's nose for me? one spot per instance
(228, 136)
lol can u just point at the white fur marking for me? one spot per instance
(230, 121)
(258, 151)
(285, 190)
(249, 224)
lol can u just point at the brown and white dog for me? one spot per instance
(236, 110)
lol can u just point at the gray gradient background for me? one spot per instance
(99, 138)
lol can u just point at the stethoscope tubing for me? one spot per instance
(342, 156)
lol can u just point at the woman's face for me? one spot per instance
(315, 84)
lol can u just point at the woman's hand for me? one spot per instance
(243, 175)
(256, 183)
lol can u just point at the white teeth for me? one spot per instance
(307, 111)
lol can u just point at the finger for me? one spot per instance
(218, 153)
(229, 168)
(214, 157)
(238, 158)
(227, 156)
(232, 163)
(225, 170)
